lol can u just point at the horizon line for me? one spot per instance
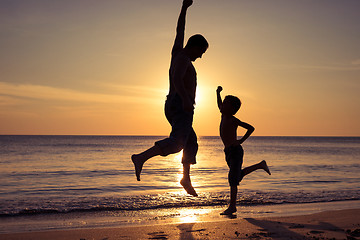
(149, 135)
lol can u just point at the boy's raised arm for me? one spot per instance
(250, 129)
(180, 28)
(219, 100)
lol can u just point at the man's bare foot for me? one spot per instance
(188, 187)
(229, 211)
(265, 167)
(138, 163)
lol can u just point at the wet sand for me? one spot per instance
(340, 224)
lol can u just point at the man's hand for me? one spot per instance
(219, 89)
(187, 3)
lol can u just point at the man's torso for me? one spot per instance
(189, 78)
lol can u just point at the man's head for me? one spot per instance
(231, 105)
(196, 46)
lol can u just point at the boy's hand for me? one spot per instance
(187, 3)
(218, 96)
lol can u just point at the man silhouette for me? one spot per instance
(179, 105)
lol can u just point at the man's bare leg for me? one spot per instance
(260, 165)
(186, 182)
(139, 159)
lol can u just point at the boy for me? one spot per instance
(233, 151)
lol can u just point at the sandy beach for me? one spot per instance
(340, 224)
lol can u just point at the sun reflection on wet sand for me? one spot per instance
(189, 215)
(194, 214)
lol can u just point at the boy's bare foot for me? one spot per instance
(229, 211)
(265, 167)
(188, 187)
(138, 163)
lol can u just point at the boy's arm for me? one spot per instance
(250, 129)
(180, 28)
(219, 100)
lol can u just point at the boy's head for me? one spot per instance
(231, 105)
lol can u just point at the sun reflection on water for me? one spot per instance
(178, 158)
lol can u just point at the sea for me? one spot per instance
(63, 182)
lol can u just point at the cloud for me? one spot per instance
(353, 66)
(47, 93)
(356, 62)
(144, 91)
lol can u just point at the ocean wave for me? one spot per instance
(35, 206)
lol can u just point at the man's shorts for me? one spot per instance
(234, 159)
(182, 134)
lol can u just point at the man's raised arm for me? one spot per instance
(180, 28)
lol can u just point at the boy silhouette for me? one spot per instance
(233, 150)
(179, 105)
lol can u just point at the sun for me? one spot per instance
(199, 96)
(178, 156)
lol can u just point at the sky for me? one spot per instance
(101, 67)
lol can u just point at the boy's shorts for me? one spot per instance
(234, 159)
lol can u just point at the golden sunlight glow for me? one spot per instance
(188, 215)
(199, 96)
(203, 92)
(177, 158)
(115, 82)
(192, 215)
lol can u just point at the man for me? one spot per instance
(179, 105)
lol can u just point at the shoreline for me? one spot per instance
(192, 219)
(335, 224)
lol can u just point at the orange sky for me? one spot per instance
(101, 67)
